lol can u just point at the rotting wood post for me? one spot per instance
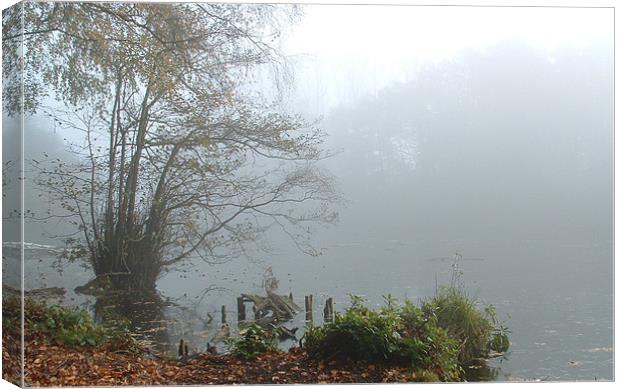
(181, 347)
(223, 314)
(328, 311)
(240, 309)
(308, 304)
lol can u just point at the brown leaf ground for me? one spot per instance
(50, 364)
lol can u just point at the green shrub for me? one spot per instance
(391, 334)
(358, 334)
(73, 327)
(11, 311)
(499, 337)
(499, 342)
(253, 341)
(439, 349)
(476, 331)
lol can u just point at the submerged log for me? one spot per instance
(265, 321)
(286, 333)
(282, 307)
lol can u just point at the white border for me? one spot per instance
(507, 3)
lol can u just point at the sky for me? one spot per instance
(432, 32)
(346, 51)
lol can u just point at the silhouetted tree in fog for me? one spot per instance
(180, 157)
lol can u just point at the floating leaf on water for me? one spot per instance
(601, 349)
(201, 334)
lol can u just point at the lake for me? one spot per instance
(555, 298)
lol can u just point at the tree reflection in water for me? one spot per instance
(143, 313)
(158, 322)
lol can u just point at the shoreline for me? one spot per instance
(120, 360)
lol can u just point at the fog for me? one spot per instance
(487, 132)
(505, 144)
(41, 142)
(483, 131)
(343, 53)
(441, 130)
(461, 122)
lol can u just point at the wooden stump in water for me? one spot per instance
(181, 347)
(308, 304)
(328, 311)
(240, 309)
(223, 314)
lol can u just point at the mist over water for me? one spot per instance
(503, 155)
